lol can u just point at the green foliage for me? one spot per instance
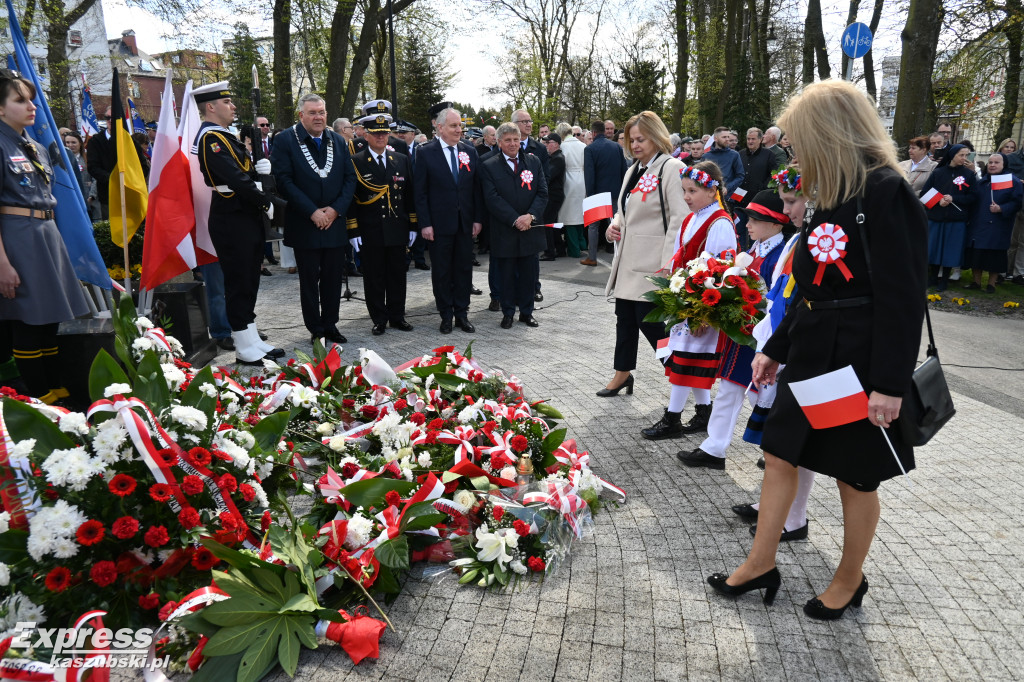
(423, 78)
(112, 254)
(240, 53)
(640, 81)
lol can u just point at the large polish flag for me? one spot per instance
(168, 250)
(597, 207)
(832, 399)
(202, 194)
(1002, 181)
(931, 197)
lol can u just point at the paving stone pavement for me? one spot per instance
(946, 598)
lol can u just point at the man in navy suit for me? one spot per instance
(604, 166)
(521, 117)
(449, 208)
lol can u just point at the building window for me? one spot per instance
(133, 87)
(41, 67)
(176, 59)
(200, 61)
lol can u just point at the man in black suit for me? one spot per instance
(101, 158)
(449, 208)
(515, 193)
(382, 223)
(604, 166)
(314, 173)
(556, 196)
(521, 117)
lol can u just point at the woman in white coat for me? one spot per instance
(571, 213)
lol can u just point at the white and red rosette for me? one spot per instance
(827, 243)
(960, 181)
(527, 178)
(646, 185)
(463, 161)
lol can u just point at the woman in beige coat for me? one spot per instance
(648, 213)
(919, 166)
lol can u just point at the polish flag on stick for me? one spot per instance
(663, 350)
(738, 194)
(557, 226)
(931, 198)
(1002, 181)
(597, 207)
(832, 399)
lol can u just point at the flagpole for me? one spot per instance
(124, 235)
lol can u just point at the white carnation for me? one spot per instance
(424, 459)
(74, 422)
(189, 417)
(359, 529)
(173, 376)
(116, 389)
(141, 345)
(143, 323)
(517, 566)
(261, 494)
(209, 390)
(5, 575)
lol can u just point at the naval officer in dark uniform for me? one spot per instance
(236, 217)
(382, 107)
(382, 223)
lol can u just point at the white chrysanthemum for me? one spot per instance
(387, 424)
(424, 459)
(176, 346)
(65, 548)
(325, 429)
(142, 344)
(240, 456)
(389, 453)
(303, 396)
(116, 389)
(359, 529)
(189, 417)
(22, 449)
(517, 566)
(5, 575)
(18, 609)
(173, 376)
(5, 521)
(74, 422)
(50, 526)
(470, 414)
(71, 468)
(465, 498)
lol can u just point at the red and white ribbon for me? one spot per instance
(562, 499)
(827, 244)
(463, 160)
(461, 437)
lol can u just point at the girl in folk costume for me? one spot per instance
(766, 222)
(693, 363)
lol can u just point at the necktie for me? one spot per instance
(380, 162)
(515, 164)
(455, 166)
(266, 148)
(317, 140)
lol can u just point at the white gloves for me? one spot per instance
(270, 211)
(263, 166)
(356, 242)
(412, 238)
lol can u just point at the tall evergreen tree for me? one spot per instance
(239, 56)
(640, 84)
(422, 82)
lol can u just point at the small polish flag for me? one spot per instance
(597, 207)
(557, 226)
(931, 198)
(711, 141)
(738, 194)
(832, 399)
(663, 350)
(1002, 181)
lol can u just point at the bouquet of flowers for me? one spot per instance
(721, 291)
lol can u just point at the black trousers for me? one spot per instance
(384, 281)
(239, 241)
(451, 259)
(34, 347)
(320, 275)
(629, 316)
(518, 283)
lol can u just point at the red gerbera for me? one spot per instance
(156, 536)
(167, 456)
(161, 492)
(752, 296)
(122, 485)
(58, 579)
(519, 443)
(535, 564)
(90, 533)
(125, 527)
(247, 492)
(103, 573)
(189, 518)
(417, 418)
(204, 559)
(711, 296)
(227, 483)
(199, 457)
(392, 498)
(521, 527)
(192, 485)
(149, 601)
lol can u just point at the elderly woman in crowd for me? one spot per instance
(999, 200)
(918, 167)
(947, 220)
(646, 234)
(1008, 148)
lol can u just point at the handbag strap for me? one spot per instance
(932, 351)
(661, 198)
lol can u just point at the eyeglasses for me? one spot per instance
(524, 120)
(264, 125)
(347, 128)
(577, 134)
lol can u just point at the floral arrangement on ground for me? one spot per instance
(166, 509)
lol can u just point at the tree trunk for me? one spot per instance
(807, 74)
(732, 30)
(915, 105)
(1011, 90)
(28, 17)
(364, 49)
(682, 65)
(850, 18)
(340, 26)
(759, 62)
(284, 111)
(869, 60)
(820, 49)
(59, 22)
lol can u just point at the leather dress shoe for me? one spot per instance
(274, 353)
(402, 326)
(587, 261)
(699, 458)
(227, 343)
(476, 262)
(265, 272)
(334, 335)
(494, 306)
(744, 511)
(316, 336)
(378, 329)
(446, 326)
(422, 266)
(547, 257)
(473, 290)
(292, 271)
(271, 260)
(538, 297)
(506, 322)
(787, 535)
(529, 320)
(760, 463)
(465, 325)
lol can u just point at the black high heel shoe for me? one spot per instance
(817, 610)
(609, 392)
(769, 582)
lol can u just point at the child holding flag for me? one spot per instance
(999, 199)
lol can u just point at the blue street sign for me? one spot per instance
(856, 40)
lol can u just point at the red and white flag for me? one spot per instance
(168, 250)
(1002, 181)
(711, 141)
(931, 198)
(738, 194)
(597, 207)
(663, 351)
(202, 194)
(832, 399)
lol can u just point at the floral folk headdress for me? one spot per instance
(700, 177)
(786, 179)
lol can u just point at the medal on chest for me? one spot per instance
(646, 185)
(827, 244)
(463, 161)
(527, 178)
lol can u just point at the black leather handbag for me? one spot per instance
(928, 405)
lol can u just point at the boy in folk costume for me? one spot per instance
(693, 364)
(765, 223)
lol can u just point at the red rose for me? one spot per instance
(89, 533)
(192, 485)
(417, 418)
(401, 404)
(161, 492)
(166, 610)
(156, 536)
(521, 527)
(498, 512)
(711, 296)
(122, 485)
(227, 483)
(125, 527)
(58, 579)
(247, 492)
(103, 573)
(199, 457)
(535, 564)
(369, 411)
(752, 296)
(392, 498)
(349, 470)
(436, 424)
(149, 601)
(204, 559)
(519, 443)
(348, 402)
(188, 518)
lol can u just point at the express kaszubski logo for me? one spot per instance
(87, 647)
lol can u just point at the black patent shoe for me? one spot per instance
(378, 329)
(699, 458)
(669, 426)
(744, 511)
(760, 463)
(817, 610)
(274, 353)
(609, 392)
(769, 582)
(787, 535)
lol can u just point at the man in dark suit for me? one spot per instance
(556, 196)
(314, 173)
(604, 166)
(101, 158)
(515, 193)
(382, 223)
(449, 208)
(521, 117)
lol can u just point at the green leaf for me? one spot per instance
(469, 351)
(269, 430)
(13, 546)
(449, 476)
(217, 668)
(236, 584)
(394, 553)
(239, 611)
(481, 482)
(423, 521)
(239, 560)
(449, 381)
(262, 653)
(370, 492)
(331, 615)
(501, 575)
(386, 581)
(300, 602)
(193, 397)
(307, 632)
(469, 576)
(548, 411)
(231, 640)
(554, 439)
(150, 385)
(288, 651)
(272, 586)
(24, 421)
(104, 372)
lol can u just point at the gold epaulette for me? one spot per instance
(245, 164)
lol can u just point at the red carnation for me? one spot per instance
(519, 443)
(125, 527)
(192, 485)
(199, 457)
(392, 498)
(358, 371)
(227, 483)
(204, 559)
(265, 521)
(90, 533)
(535, 564)
(521, 527)
(104, 573)
(711, 296)
(499, 461)
(161, 492)
(58, 579)
(441, 350)
(166, 610)
(247, 492)
(252, 419)
(432, 437)
(349, 470)
(417, 418)
(156, 536)
(436, 424)
(752, 296)
(348, 402)
(188, 518)
(498, 512)
(401, 404)
(369, 411)
(230, 522)
(122, 485)
(149, 601)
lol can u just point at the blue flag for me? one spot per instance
(90, 126)
(138, 125)
(71, 215)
